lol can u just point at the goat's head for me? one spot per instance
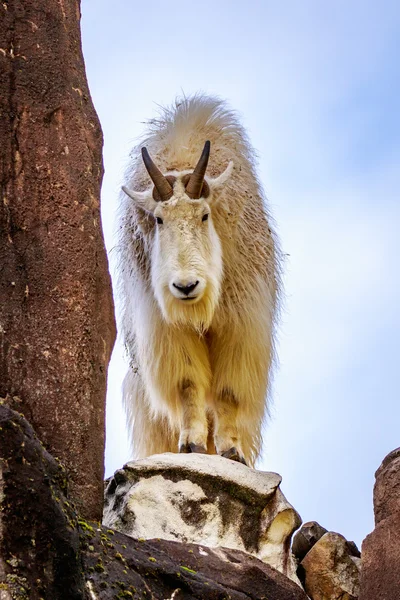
(186, 260)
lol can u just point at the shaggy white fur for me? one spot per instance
(200, 368)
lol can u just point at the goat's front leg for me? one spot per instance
(194, 426)
(226, 436)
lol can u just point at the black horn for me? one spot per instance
(161, 183)
(195, 183)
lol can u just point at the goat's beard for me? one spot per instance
(198, 315)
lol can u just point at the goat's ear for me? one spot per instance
(143, 199)
(218, 183)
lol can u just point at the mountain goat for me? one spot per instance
(199, 281)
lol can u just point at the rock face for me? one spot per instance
(39, 537)
(331, 573)
(206, 500)
(380, 575)
(47, 553)
(56, 313)
(115, 565)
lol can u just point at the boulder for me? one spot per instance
(306, 537)
(330, 572)
(206, 500)
(353, 549)
(380, 573)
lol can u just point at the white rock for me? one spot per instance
(207, 500)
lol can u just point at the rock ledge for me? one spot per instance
(205, 500)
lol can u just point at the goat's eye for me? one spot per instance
(159, 220)
(205, 217)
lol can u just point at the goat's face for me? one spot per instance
(186, 264)
(186, 257)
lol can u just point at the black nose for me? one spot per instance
(185, 289)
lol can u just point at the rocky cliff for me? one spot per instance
(176, 527)
(56, 311)
(381, 549)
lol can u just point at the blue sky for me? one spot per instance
(318, 89)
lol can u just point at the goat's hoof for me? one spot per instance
(192, 448)
(184, 449)
(197, 448)
(234, 454)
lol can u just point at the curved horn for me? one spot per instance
(195, 183)
(161, 184)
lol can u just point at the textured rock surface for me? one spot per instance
(47, 553)
(387, 487)
(331, 573)
(306, 537)
(56, 314)
(380, 575)
(164, 570)
(39, 539)
(207, 500)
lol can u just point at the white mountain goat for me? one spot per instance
(199, 278)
